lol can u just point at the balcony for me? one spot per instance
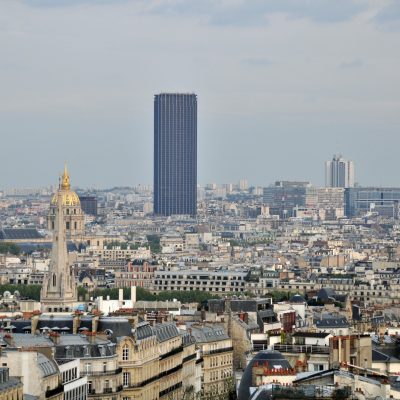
(177, 350)
(102, 373)
(108, 390)
(301, 349)
(218, 351)
(54, 392)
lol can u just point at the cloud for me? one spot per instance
(257, 62)
(69, 3)
(351, 64)
(256, 12)
(388, 18)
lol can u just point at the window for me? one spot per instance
(90, 386)
(125, 353)
(88, 368)
(104, 367)
(67, 225)
(126, 378)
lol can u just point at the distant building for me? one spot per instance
(339, 173)
(284, 196)
(243, 185)
(89, 205)
(362, 200)
(175, 154)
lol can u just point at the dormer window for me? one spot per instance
(125, 353)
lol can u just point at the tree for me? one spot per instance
(154, 242)
(29, 291)
(9, 248)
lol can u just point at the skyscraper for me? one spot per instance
(175, 154)
(339, 173)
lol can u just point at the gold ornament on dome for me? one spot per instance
(69, 197)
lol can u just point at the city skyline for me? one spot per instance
(85, 94)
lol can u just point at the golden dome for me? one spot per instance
(69, 197)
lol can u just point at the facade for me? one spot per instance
(75, 386)
(331, 200)
(138, 357)
(362, 200)
(339, 173)
(11, 388)
(283, 197)
(39, 373)
(137, 273)
(97, 360)
(89, 205)
(210, 281)
(59, 289)
(74, 218)
(217, 352)
(175, 154)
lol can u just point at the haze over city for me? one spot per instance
(282, 85)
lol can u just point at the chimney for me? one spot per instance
(55, 337)
(95, 323)
(8, 338)
(133, 294)
(91, 337)
(34, 323)
(76, 322)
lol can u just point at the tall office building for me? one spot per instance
(175, 154)
(339, 173)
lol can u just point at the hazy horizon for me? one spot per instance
(282, 85)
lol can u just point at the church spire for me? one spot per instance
(65, 183)
(59, 289)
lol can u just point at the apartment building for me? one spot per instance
(11, 388)
(138, 356)
(137, 273)
(217, 352)
(215, 281)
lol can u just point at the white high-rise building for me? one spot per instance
(339, 172)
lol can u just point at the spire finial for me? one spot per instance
(65, 184)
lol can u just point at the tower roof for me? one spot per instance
(65, 183)
(69, 198)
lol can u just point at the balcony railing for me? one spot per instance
(53, 392)
(107, 390)
(218, 351)
(103, 373)
(305, 349)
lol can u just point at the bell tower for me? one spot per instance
(59, 289)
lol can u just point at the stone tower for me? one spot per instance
(73, 215)
(59, 289)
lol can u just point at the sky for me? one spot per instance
(282, 85)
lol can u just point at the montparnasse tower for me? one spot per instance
(59, 288)
(73, 215)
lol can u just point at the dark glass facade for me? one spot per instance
(89, 205)
(175, 154)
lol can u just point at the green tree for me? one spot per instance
(30, 291)
(154, 243)
(9, 248)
